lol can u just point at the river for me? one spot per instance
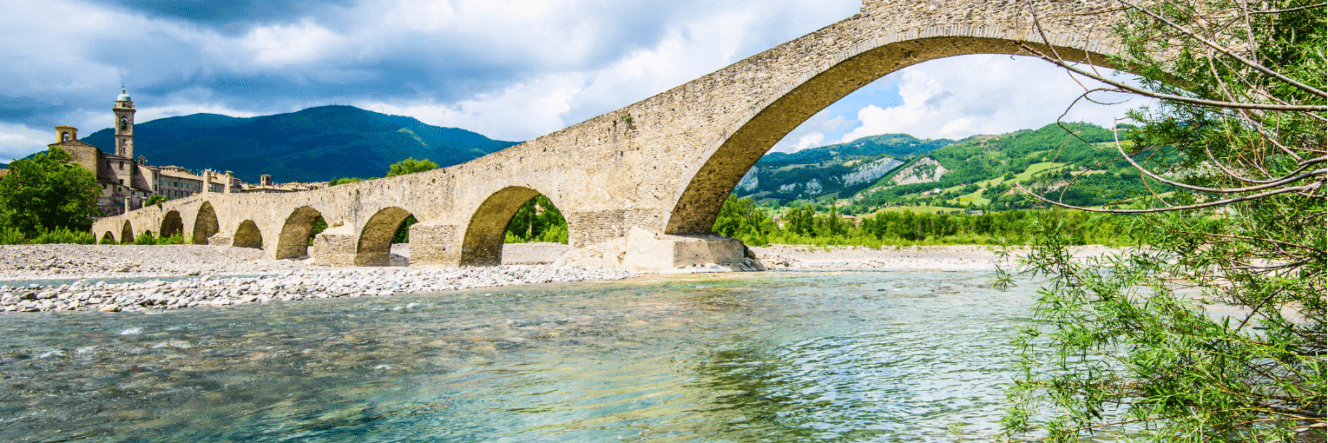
(843, 356)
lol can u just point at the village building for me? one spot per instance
(127, 182)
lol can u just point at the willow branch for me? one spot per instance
(1223, 50)
(1214, 203)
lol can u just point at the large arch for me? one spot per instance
(483, 242)
(171, 225)
(294, 238)
(696, 207)
(205, 224)
(248, 236)
(127, 233)
(375, 245)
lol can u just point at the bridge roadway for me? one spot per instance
(640, 186)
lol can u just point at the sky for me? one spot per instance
(511, 70)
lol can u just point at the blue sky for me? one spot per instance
(511, 70)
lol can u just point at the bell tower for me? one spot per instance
(124, 125)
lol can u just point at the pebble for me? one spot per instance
(224, 276)
(206, 290)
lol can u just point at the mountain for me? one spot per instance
(1082, 169)
(316, 144)
(900, 170)
(831, 171)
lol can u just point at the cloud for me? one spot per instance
(17, 141)
(983, 94)
(509, 69)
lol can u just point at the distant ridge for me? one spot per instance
(316, 144)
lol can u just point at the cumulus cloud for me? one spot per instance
(508, 69)
(983, 94)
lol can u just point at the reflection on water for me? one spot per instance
(893, 356)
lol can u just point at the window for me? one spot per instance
(121, 166)
(124, 123)
(122, 182)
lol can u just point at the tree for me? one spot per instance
(410, 166)
(537, 220)
(47, 193)
(1239, 133)
(155, 199)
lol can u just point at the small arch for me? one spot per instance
(248, 236)
(483, 243)
(126, 233)
(205, 225)
(107, 239)
(172, 225)
(295, 233)
(375, 245)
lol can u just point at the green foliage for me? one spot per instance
(144, 239)
(1213, 329)
(742, 219)
(107, 240)
(410, 166)
(403, 231)
(537, 220)
(345, 180)
(155, 200)
(13, 236)
(46, 193)
(320, 225)
(61, 235)
(150, 239)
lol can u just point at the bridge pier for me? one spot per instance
(434, 245)
(334, 247)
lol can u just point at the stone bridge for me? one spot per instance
(640, 186)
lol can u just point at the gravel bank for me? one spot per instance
(178, 276)
(285, 286)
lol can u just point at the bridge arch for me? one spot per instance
(725, 162)
(205, 224)
(127, 233)
(248, 236)
(375, 243)
(106, 238)
(295, 231)
(171, 224)
(482, 244)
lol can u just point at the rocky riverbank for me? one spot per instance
(161, 294)
(39, 278)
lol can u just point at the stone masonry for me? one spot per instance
(640, 186)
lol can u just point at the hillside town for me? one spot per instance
(128, 182)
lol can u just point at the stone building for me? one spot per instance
(127, 182)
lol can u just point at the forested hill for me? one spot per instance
(833, 170)
(315, 144)
(981, 171)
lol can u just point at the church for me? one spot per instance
(127, 182)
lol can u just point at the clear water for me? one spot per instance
(880, 356)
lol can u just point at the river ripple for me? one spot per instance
(871, 356)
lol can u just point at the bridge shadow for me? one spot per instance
(486, 233)
(248, 236)
(205, 224)
(375, 243)
(296, 233)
